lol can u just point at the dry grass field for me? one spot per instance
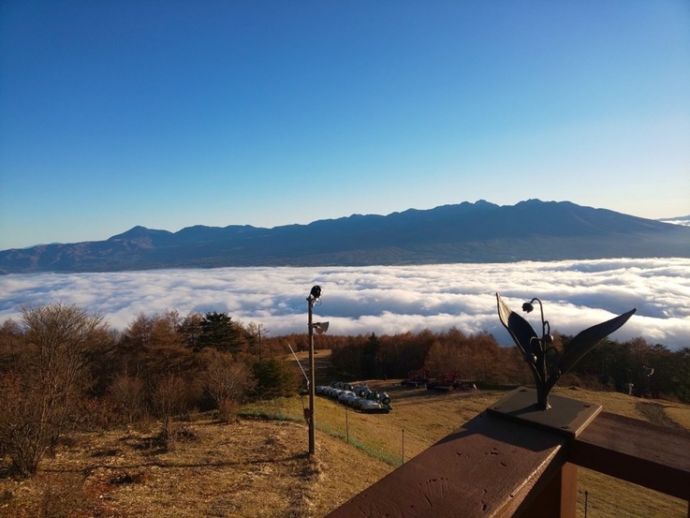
(252, 468)
(257, 467)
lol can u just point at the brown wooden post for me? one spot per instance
(568, 490)
(486, 468)
(558, 497)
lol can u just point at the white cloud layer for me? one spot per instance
(386, 299)
(685, 222)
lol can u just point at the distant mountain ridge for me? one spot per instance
(466, 232)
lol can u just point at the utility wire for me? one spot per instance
(300, 364)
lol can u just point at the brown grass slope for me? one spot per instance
(252, 468)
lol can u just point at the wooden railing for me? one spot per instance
(496, 467)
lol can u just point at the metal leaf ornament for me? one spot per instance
(545, 362)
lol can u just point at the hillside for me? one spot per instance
(258, 468)
(467, 232)
(248, 469)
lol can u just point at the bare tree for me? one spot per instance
(128, 393)
(255, 334)
(42, 395)
(226, 381)
(172, 395)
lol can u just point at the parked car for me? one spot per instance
(357, 396)
(416, 378)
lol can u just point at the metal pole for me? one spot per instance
(347, 426)
(402, 451)
(586, 502)
(312, 385)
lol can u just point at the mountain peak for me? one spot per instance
(139, 231)
(532, 202)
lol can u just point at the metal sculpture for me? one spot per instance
(545, 362)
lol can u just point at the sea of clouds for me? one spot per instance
(685, 222)
(386, 299)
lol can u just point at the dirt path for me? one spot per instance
(655, 414)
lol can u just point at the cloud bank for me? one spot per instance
(684, 221)
(386, 299)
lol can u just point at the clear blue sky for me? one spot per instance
(169, 114)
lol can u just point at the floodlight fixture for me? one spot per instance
(315, 293)
(320, 327)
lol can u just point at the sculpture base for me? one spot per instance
(566, 416)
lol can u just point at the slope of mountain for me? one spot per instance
(467, 232)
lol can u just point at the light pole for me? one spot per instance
(320, 327)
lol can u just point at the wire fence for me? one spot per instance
(367, 447)
(341, 423)
(608, 500)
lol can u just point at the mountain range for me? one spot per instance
(465, 232)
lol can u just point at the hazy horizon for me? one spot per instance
(386, 299)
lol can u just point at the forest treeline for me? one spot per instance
(653, 370)
(62, 368)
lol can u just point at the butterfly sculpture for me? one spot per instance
(545, 361)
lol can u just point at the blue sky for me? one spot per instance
(169, 114)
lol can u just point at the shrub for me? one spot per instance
(22, 436)
(127, 392)
(226, 381)
(172, 396)
(228, 409)
(41, 397)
